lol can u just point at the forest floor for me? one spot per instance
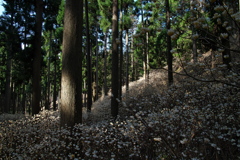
(196, 118)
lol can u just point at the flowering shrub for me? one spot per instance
(189, 120)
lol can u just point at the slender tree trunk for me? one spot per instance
(48, 103)
(133, 64)
(133, 67)
(194, 42)
(18, 99)
(8, 84)
(89, 63)
(136, 66)
(144, 48)
(30, 100)
(147, 58)
(37, 59)
(121, 56)
(127, 63)
(169, 45)
(55, 83)
(105, 88)
(71, 82)
(45, 91)
(13, 97)
(23, 98)
(84, 93)
(96, 67)
(194, 49)
(115, 74)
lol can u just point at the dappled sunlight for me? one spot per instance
(191, 119)
(195, 117)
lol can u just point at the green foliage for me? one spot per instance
(193, 125)
(59, 34)
(60, 16)
(127, 21)
(105, 24)
(105, 11)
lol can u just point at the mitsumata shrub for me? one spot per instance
(189, 120)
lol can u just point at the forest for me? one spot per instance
(120, 80)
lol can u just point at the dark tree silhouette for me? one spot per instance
(36, 97)
(115, 79)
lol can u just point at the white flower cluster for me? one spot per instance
(236, 16)
(190, 120)
(219, 8)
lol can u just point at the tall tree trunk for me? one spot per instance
(48, 103)
(84, 93)
(55, 83)
(133, 63)
(89, 63)
(194, 49)
(127, 63)
(133, 68)
(147, 59)
(30, 100)
(144, 47)
(115, 74)
(105, 88)
(169, 45)
(23, 98)
(121, 55)
(8, 83)
(17, 99)
(13, 97)
(194, 42)
(37, 59)
(71, 83)
(8, 87)
(96, 67)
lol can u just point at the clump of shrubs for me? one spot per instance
(189, 120)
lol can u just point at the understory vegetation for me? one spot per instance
(189, 120)
(186, 106)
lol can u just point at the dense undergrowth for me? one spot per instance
(189, 120)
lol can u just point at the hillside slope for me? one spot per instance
(192, 119)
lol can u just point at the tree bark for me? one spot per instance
(147, 59)
(97, 61)
(194, 42)
(23, 98)
(105, 88)
(8, 86)
(55, 83)
(132, 62)
(48, 104)
(127, 63)
(36, 97)
(115, 79)
(89, 63)
(8, 83)
(71, 82)
(121, 55)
